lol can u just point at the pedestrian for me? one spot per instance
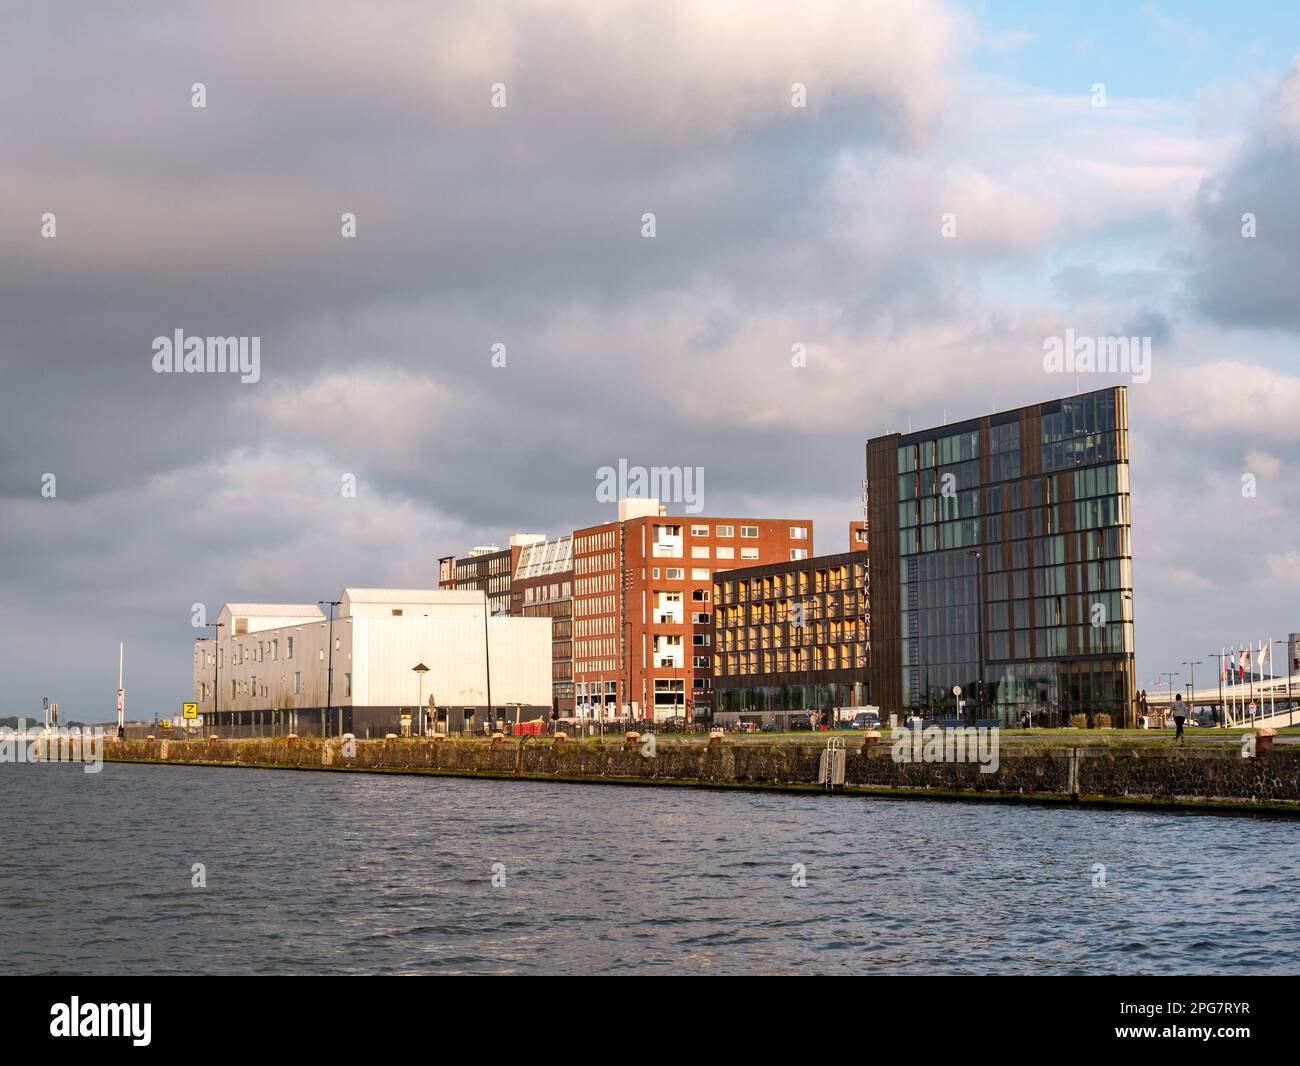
(1180, 716)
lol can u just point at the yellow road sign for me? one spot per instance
(190, 710)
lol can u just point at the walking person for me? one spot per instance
(1180, 716)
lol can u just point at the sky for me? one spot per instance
(1095, 161)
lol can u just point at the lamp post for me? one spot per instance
(487, 662)
(1170, 686)
(420, 670)
(1284, 644)
(216, 664)
(1191, 685)
(979, 601)
(1219, 709)
(329, 675)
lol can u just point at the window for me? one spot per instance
(700, 618)
(701, 640)
(655, 573)
(275, 648)
(700, 573)
(726, 531)
(798, 532)
(347, 684)
(674, 573)
(297, 681)
(726, 553)
(798, 553)
(749, 531)
(289, 648)
(699, 531)
(700, 551)
(700, 662)
(749, 553)
(322, 654)
(397, 612)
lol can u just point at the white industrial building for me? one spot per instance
(271, 671)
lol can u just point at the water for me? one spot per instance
(327, 873)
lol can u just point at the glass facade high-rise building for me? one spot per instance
(1000, 550)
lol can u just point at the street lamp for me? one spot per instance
(1220, 709)
(216, 664)
(1170, 686)
(979, 600)
(1289, 665)
(420, 670)
(1191, 686)
(329, 677)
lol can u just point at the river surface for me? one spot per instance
(323, 873)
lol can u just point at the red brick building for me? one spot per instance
(642, 610)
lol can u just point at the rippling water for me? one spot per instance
(327, 873)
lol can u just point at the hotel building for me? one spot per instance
(792, 636)
(642, 604)
(1000, 546)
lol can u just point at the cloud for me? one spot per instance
(1252, 280)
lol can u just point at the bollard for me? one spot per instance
(292, 738)
(149, 737)
(560, 738)
(1264, 741)
(390, 736)
(213, 737)
(870, 739)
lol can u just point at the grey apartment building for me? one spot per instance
(1000, 549)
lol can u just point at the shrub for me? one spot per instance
(1078, 721)
(1101, 721)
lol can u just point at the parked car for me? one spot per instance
(799, 721)
(866, 720)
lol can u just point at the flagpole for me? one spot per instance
(1223, 708)
(1252, 674)
(1272, 688)
(1232, 690)
(1238, 707)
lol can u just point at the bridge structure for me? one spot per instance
(1276, 700)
